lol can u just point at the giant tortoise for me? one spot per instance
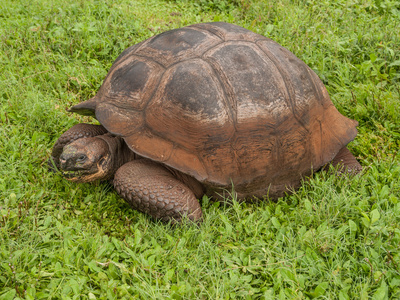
(198, 110)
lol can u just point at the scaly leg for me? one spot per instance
(150, 188)
(76, 132)
(346, 161)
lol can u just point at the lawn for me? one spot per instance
(334, 238)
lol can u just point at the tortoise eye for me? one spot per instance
(81, 158)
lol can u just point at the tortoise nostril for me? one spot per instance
(63, 160)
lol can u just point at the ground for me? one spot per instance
(334, 238)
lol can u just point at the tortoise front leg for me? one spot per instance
(150, 188)
(76, 132)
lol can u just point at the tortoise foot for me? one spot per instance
(345, 162)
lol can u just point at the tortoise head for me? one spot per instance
(87, 160)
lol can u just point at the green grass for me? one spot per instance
(335, 238)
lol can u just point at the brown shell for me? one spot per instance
(223, 104)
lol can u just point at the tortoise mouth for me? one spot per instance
(97, 171)
(85, 174)
(75, 175)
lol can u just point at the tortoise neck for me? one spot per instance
(119, 151)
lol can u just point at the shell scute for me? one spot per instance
(189, 106)
(176, 45)
(258, 92)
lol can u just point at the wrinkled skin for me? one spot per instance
(147, 186)
(86, 160)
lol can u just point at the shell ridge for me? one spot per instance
(200, 56)
(153, 93)
(314, 84)
(212, 30)
(227, 88)
(288, 87)
(151, 59)
(198, 28)
(118, 105)
(227, 95)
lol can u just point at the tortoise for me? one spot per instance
(200, 109)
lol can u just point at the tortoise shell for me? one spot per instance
(224, 105)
